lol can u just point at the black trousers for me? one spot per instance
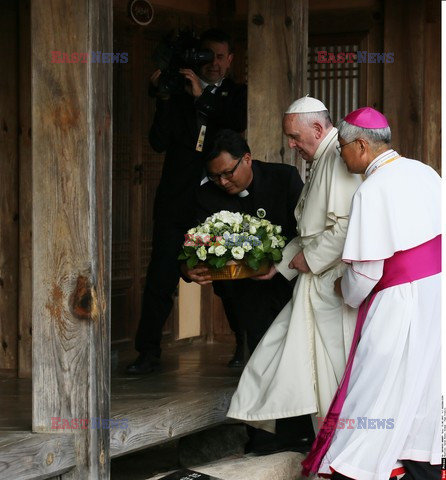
(163, 274)
(414, 471)
(252, 305)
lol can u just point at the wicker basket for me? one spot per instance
(237, 269)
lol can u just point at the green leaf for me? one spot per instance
(212, 261)
(183, 256)
(261, 233)
(192, 261)
(253, 263)
(257, 253)
(267, 245)
(276, 254)
(189, 250)
(221, 262)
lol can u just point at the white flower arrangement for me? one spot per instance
(226, 236)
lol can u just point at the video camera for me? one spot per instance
(175, 52)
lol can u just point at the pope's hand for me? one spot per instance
(194, 88)
(299, 263)
(198, 274)
(267, 276)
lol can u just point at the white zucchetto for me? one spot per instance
(306, 105)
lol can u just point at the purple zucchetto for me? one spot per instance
(367, 117)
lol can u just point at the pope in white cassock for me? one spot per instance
(297, 366)
(390, 393)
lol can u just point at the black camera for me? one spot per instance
(175, 52)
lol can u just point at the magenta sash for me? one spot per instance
(404, 267)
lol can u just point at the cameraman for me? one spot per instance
(183, 125)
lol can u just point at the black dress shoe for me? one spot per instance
(238, 360)
(145, 363)
(266, 443)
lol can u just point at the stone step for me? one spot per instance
(279, 466)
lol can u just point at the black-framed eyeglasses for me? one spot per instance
(340, 147)
(214, 177)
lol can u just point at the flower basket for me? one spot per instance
(236, 270)
(233, 245)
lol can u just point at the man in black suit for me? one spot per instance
(240, 184)
(184, 124)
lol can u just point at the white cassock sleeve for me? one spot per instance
(359, 280)
(325, 250)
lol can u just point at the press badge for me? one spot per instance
(200, 141)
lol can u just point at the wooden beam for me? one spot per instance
(153, 422)
(25, 193)
(71, 124)
(277, 67)
(9, 187)
(31, 456)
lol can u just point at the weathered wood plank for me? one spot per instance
(165, 419)
(71, 115)
(26, 456)
(403, 79)
(277, 66)
(432, 86)
(9, 188)
(25, 193)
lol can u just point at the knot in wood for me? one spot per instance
(50, 458)
(288, 21)
(258, 19)
(82, 299)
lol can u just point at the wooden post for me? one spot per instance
(25, 193)
(71, 124)
(277, 69)
(8, 190)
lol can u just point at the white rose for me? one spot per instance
(274, 242)
(281, 243)
(236, 228)
(211, 249)
(252, 229)
(201, 253)
(269, 228)
(238, 253)
(205, 228)
(191, 231)
(219, 225)
(238, 217)
(278, 228)
(220, 250)
(247, 246)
